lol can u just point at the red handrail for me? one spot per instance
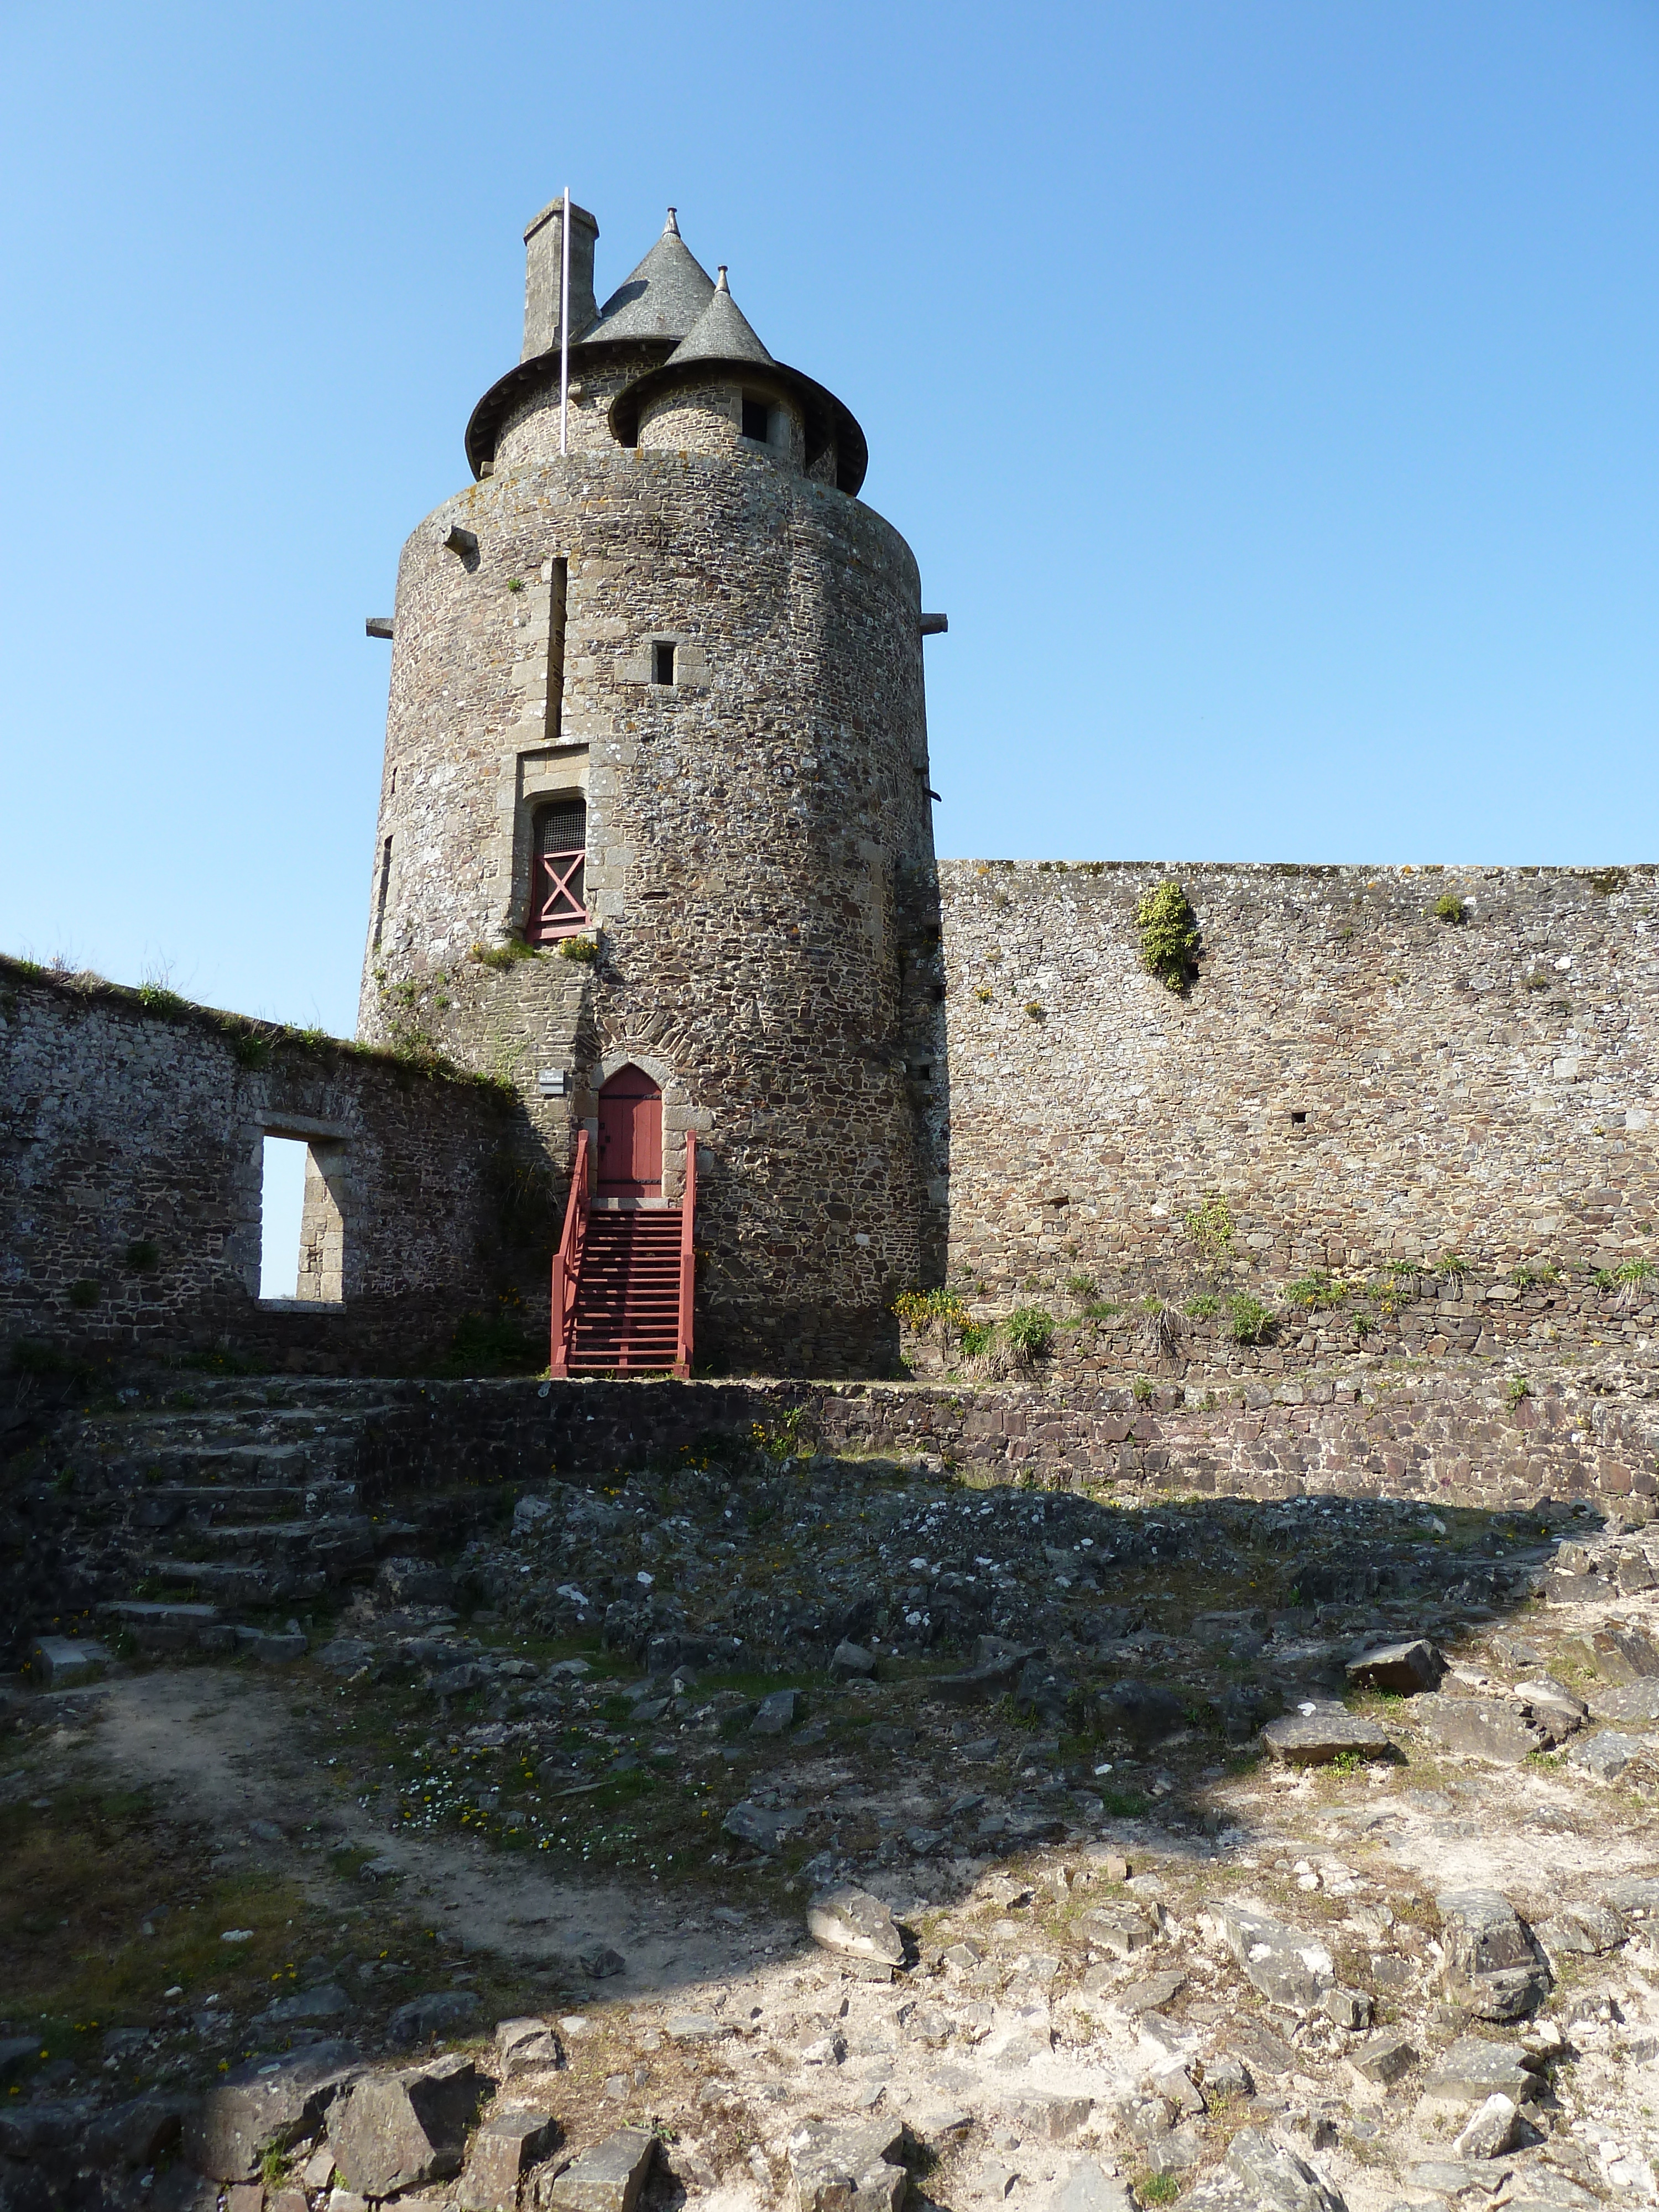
(687, 1259)
(568, 1263)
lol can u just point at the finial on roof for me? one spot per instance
(671, 229)
(720, 284)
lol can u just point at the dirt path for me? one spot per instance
(228, 1752)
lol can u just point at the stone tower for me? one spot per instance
(657, 702)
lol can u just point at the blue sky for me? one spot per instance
(1268, 392)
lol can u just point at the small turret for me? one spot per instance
(722, 332)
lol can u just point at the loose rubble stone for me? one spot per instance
(1490, 2129)
(1147, 1713)
(1329, 1732)
(1261, 2173)
(266, 2100)
(1402, 1668)
(1449, 2177)
(1622, 1654)
(1384, 2060)
(526, 2046)
(499, 2156)
(327, 2002)
(607, 2178)
(1150, 1995)
(1606, 1755)
(777, 1713)
(436, 2013)
(1120, 1931)
(602, 1963)
(1553, 1705)
(1631, 1704)
(1482, 1727)
(852, 1662)
(1587, 1929)
(855, 1924)
(1087, 2187)
(763, 1827)
(843, 2167)
(1493, 1966)
(1635, 1898)
(697, 2027)
(1473, 2070)
(991, 1678)
(395, 2131)
(1287, 1967)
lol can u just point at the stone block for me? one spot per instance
(1474, 2068)
(266, 2100)
(1329, 1732)
(847, 2166)
(1405, 1667)
(777, 1713)
(1489, 2130)
(397, 2131)
(1086, 2186)
(1493, 1966)
(1606, 1755)
(1491, 1728)
(607, 2178)
(58, 1661)
(1287, 1965)
(855, 1924)
(1384, 2059)
(500, 2154)
(526, 2046)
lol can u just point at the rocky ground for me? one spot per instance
(775, 1824)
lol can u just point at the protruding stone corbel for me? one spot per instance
(462, 543)
(935, 625)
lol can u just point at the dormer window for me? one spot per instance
(662, 662)
(757, 418)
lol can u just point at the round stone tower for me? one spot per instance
(655, 811)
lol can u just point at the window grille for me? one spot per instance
(558, 896)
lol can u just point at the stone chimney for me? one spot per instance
(543, 245)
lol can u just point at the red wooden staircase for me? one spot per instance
(622, 1282)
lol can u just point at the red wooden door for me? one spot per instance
(630, 1136)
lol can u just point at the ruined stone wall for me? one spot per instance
(131, 1141)
(1360, 1079)
(1455, 1434)
(760, 856)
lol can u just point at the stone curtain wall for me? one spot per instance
(131, 1156)
(1485, 1088)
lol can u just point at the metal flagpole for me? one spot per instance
(564, 327)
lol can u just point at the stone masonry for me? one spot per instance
(759, 871)
(1360, 1079)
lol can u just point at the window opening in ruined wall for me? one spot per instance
(302, 1220)
(662, 662)
(558, 895)
(757, 418)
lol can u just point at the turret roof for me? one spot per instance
(722, 332)
(662, 298)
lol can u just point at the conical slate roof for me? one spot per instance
(722, 332)
(663, 297)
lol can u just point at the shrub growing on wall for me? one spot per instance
(1169, 935)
